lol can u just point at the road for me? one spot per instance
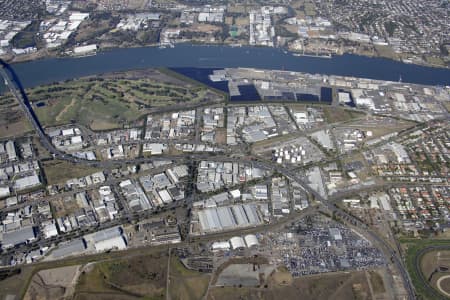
(19, 93)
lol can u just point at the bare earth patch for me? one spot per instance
(55, 284)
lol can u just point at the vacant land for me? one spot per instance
(58, 171)
(113, 100)
(379, 126)
(148, 258)
(386, 51)
(337, 115)
(92, 29)
(186, 284)
(53, 283)
(12, 119)
(133, 278)
(15, 285)
(281, 276)
(334, 286)
(377, 282)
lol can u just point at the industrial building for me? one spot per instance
(220, 246)
(251, 240)
(154, 148)
(21, 236)
(49, 229)
(228, 217)
(137, 199)
(11, 151)
(335, 234)
(237, 243)
(27, 182)
(165, 235)
(73, 247)
(108, 239)
(117, 242)
(83, 50)
(4, 191)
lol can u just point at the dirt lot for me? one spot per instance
(377, 282)
(53, 283)
(281, 276)
(221, 136)
(336, 286)
(207, 28)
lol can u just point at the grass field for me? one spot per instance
(115, 99)
(336, 115)
(12, 119)
(90, 104)
(186, 284)
(134, 278)
(58, 171)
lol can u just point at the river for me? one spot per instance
(49, 70)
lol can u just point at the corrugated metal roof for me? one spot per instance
(23, 235)
(71, 248)
(107, 234)
(239, 215)
(225, 217)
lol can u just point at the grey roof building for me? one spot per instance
(73, 247)
(17, 237)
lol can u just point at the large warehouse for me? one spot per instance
(21, 236)
(228, 217)
(111, 238)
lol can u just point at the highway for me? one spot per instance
(18, 92)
